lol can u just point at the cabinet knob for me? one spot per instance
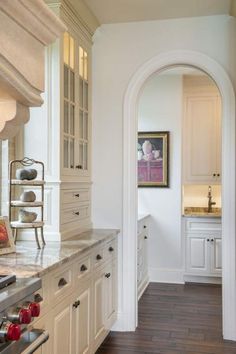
(145, 237)
(218, 174)
(76, 304)
(111, 249)
(76, 213)
(214, 174)
(208, 240)
(107, 275)
(99, 257)
(212, 240)
(79, 167)
(77, 195)
(83, 268)
(62, 282)
(144, 226)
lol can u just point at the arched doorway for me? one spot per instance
(217, 73)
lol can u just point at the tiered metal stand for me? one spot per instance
(38, 224)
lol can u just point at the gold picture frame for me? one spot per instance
(6, 239)
(153, 159)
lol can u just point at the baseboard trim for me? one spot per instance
(162, 275)
(202, 279)
(123, 323)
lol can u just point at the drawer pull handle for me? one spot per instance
(76, 304)
(99, 257)
(212, 240)
(145, 237)
(77, 195)
(208, 240)
(214, 174)
(83, 268)
(79, 167)
(144, 226)
(62, 282)
(111, 249)
(107, 275)
(218, 174)
(38, 298)
(76, 213)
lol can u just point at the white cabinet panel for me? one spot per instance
(198, 253)
(142, 258)
(216, 249)
(62, 328)
(99, 306)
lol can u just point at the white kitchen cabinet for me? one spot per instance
(201, 133)
(142, 255)
(65, 131)
(203, 246)
(83, 302)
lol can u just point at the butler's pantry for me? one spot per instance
(179, 179)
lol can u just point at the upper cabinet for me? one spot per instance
(76, 112)
(201, 131)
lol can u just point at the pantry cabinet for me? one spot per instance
(65, 129)
(203, 246)
(201, 132)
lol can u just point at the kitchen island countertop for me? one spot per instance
(28, 261)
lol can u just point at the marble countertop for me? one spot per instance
(201, 212)
(28, 261)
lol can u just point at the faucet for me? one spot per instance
(210, 203)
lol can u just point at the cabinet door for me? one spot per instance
(202, 142)
(98, 307)
(197, 258)
(44, 323)
(62, 328)
(110, 287)
(82, 320)
(216, 255)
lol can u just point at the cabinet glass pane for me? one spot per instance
(66, 48)
(86, 126)
(85, 165)
(72, 53)
(85, 66)
(66, 81)
(81, 92)
(81, 62)
(81, 124)
(72, 153)
(66, 117)
(72, 86)
(72, 120)
(66, 152)
(86, 95)
(81, 153)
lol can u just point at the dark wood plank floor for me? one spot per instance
(174, 319)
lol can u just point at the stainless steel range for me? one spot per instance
(19, 305)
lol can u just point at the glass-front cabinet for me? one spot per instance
(75, 108)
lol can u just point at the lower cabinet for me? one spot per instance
(203, 248)
(80, 320)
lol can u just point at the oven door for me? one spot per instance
(29, 342)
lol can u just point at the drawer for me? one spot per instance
(110, 250)
(197, 224)
(99, 257)
(83, 268)
(73, 214)
(61, 283)
(70, 196)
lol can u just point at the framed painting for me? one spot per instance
(6, 240)
(153, 159)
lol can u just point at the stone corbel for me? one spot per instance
(12, 116)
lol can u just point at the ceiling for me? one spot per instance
(115, 11)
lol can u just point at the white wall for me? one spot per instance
(118, 51)
(160, 109)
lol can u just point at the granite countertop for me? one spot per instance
(142, 216)
(28, 261)
(201, 212)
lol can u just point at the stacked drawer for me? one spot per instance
(75, 211)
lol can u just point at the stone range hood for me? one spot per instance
(26, 28)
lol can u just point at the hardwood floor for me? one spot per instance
(174, 319)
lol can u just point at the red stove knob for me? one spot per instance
(13, 332)
(25, 316)
(34, 309)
